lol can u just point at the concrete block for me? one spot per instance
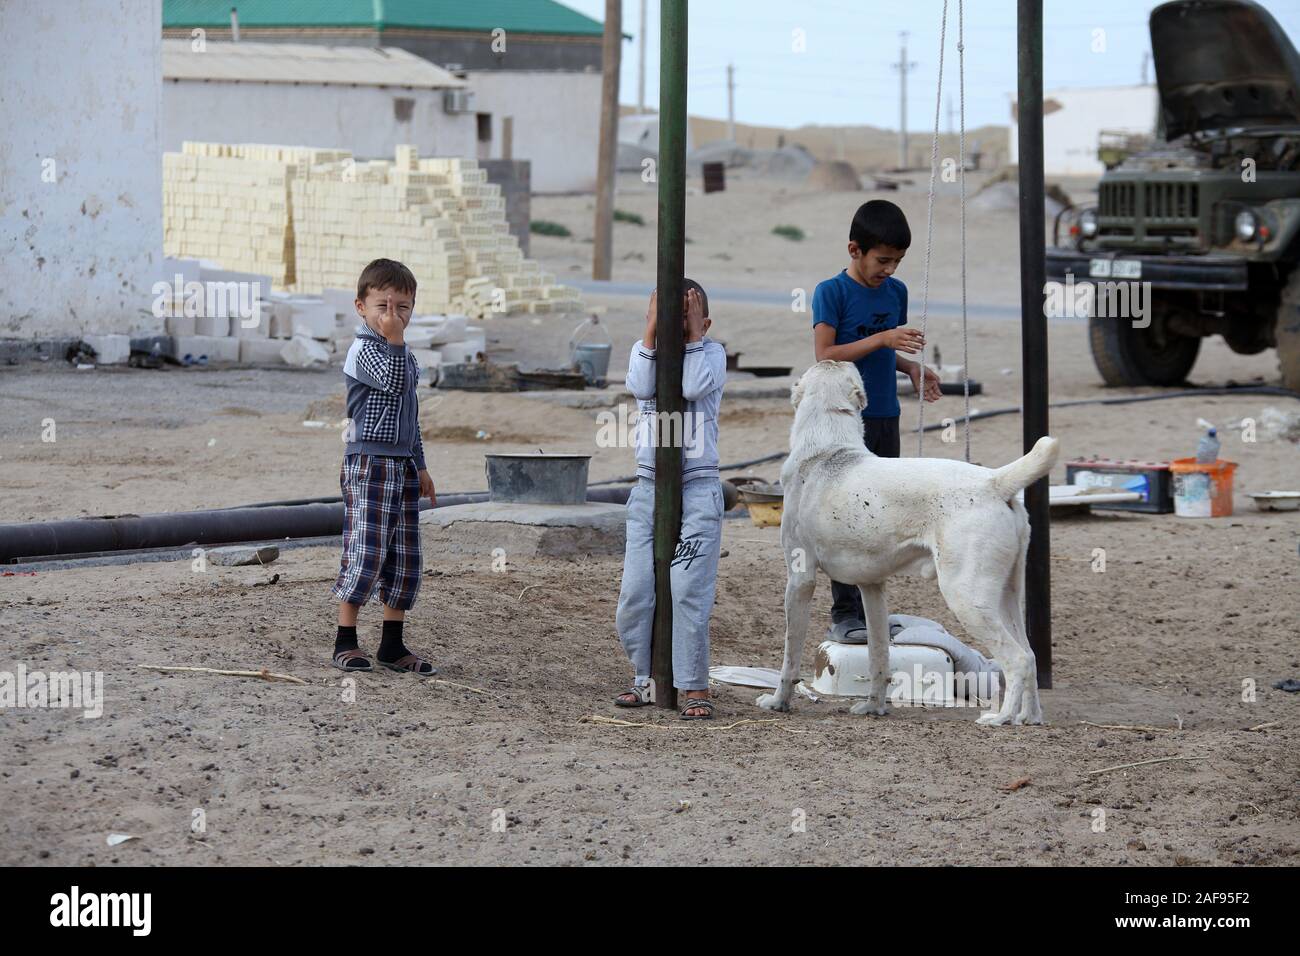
(260, 351)
(187, 269)
(458, 353)
(180, 325)
(303, 350)
(259, 328)
(281, 320)
(204, 349)
(428, 360)
(110, 349)
(315, 320)
(525, 530)
(212, 325)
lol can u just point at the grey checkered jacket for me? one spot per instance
(383, 410)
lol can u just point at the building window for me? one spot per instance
(485, 127)
(403, 109)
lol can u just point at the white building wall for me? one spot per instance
(1070, 133)
(80, 176)
(556, 123)
(360, 119)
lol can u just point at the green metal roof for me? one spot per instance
(523, 16)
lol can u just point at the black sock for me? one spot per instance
(391, 647)
(347, 639)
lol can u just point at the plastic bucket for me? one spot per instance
(592, 360)
(1202, 491)
(537, 479)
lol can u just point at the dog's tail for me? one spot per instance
(1024, 471)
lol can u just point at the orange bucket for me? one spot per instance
(1202, 491)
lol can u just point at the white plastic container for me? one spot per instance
(919, 676)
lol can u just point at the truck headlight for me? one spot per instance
(1246, 225)
(1088, 223)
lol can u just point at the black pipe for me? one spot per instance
(44, 540)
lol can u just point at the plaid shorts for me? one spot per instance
(381, 531)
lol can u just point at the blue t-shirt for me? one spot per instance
(855, 311)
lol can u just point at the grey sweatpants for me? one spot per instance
(694, 578)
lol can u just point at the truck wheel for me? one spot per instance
(1151, 356)
(1287, 333)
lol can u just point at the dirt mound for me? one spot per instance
(834, 176)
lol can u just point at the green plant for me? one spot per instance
(793, 233)
(621, 215)
(544, 228)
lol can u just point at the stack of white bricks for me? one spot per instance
(229, 203)
(312, 218)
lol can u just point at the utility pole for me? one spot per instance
(1146, 58)
(903, 66)
(1033, 327)
(950, 112)
(731, 103)
(668, 329)
(602, 253)
(640, 76)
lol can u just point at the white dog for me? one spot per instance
(861, 518)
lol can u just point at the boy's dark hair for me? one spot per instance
(880, 223)
(688, 285)
(385, 274)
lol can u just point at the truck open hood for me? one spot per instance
(1223, 63)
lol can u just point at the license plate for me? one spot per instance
(1115, 268)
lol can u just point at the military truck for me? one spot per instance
(1210, 215)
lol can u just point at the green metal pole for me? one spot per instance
(671, 174)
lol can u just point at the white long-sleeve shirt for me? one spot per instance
(704, 372)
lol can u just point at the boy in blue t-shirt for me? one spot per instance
(859, 316)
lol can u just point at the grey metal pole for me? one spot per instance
(731, 102)
(669, 340)
(1033, 326)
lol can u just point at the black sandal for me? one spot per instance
(343, 660)
(640, 691)
(697, 703)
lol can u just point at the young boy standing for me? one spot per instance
(694, 571)
(383, 475)
(859, 317)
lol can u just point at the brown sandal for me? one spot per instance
(411, 664)
(343, 658)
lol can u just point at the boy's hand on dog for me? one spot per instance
(903, 339)
(390, 323)
(426, 486)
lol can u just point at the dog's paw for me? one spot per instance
(772, 702)
(868, 709)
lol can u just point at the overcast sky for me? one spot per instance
(845, 75)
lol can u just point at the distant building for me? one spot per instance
(532, 66)
(1073, 120)
(364, 99)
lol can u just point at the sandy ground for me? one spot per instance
(420, 772)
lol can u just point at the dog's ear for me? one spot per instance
(858, 396)
(796, 392)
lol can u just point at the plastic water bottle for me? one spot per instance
(1207, 449)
